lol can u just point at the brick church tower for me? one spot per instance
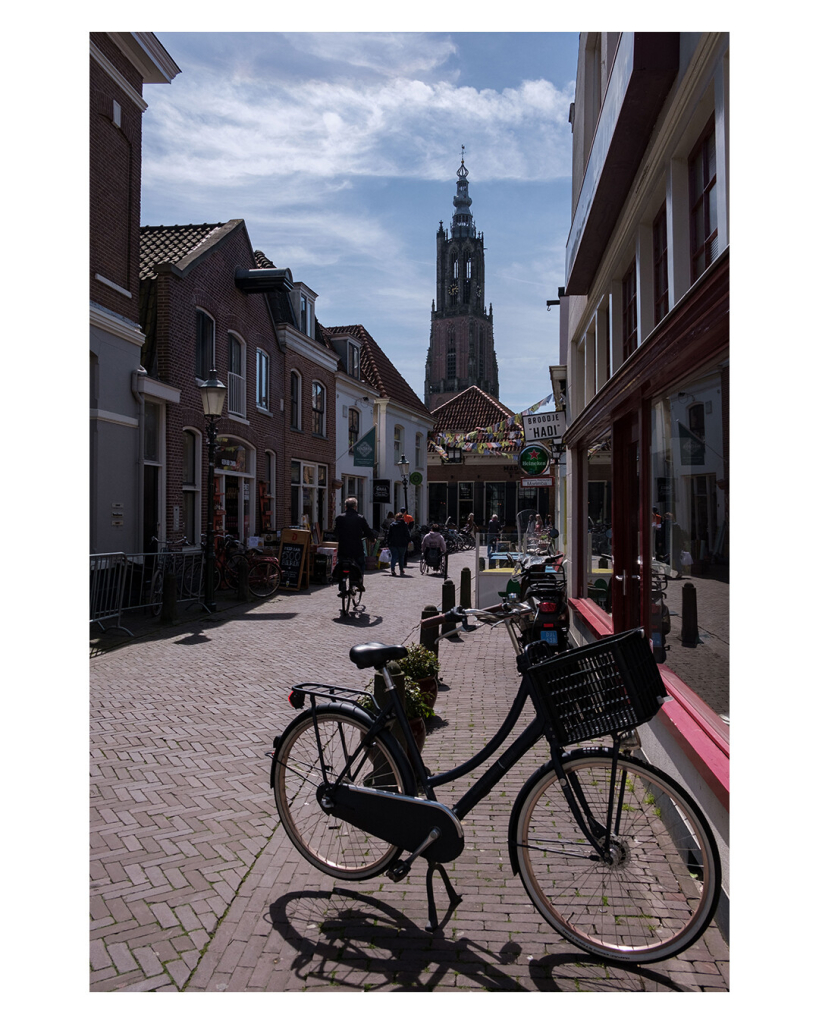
(461, 342)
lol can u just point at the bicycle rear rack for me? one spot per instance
(326, 690)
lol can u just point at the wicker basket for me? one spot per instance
(608, 686)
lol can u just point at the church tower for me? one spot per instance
(461, 342)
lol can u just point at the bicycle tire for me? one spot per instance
(662, 890)
(230, 569)
(263, 579)
(330, 844)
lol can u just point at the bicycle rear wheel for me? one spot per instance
(661, 889)
(333, 845)
(263, 578)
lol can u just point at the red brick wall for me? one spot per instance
(304, 444)
(114, 179)
(210, 285)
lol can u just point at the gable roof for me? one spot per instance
(470, 410)
(377, 369)
(179, 244)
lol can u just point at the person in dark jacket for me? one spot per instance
(350, 530)
(492, 531)
(398, 538)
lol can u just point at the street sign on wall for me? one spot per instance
(544, 426)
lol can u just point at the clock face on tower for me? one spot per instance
(453, 289)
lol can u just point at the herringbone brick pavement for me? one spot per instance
(195, 887)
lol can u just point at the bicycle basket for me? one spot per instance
(603, 687)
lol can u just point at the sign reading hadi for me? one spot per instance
(534, 460)
(544, 426)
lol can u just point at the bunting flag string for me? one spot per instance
(502, 438)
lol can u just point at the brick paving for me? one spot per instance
(194, 885)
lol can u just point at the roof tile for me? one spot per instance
(169, 244)
(470, 410)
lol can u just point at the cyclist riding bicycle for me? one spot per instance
(350, 529)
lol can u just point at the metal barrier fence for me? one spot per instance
(137, 582)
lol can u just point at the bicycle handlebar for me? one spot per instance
(456, 615)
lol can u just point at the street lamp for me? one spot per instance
(213, 393)
(404, 466)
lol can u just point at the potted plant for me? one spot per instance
(422, 667)
(417, 703)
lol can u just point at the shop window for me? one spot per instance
(690, 543)
(308, 494)
(598, 553)
(437, 503)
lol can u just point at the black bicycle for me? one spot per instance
(613, 853)
(350, 586)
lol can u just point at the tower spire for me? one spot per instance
(462, 225)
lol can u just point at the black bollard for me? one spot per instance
(466, 588)
(168, 614)
(448, 595)
(429, 634)
(689, 635)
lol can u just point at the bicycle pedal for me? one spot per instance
(398, 871)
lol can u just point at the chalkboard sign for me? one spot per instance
(293, 557)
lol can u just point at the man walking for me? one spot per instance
(492, 531)
(398, 538)
(350, 529)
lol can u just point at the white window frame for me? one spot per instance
(294, 374)
(419, 451)
(249, 476)
(397, 443)
(193, 531)
(306, 316)
(270, 471)
(262, 377)
(237, 382)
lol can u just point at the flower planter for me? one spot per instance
(429, 686)
(419, 732)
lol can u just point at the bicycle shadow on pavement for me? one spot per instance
(356, 929)
(339, 931)
(361, 619)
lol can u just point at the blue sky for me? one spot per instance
(339, 150)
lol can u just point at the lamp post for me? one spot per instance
(404, 466)
(213, 399)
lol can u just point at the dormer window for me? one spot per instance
(353, 360)
(306, 318)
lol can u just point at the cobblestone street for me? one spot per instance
(194, 885)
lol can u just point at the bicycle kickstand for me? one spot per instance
(454, 898)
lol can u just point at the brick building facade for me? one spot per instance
(120, 64)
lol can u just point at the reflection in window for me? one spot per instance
(689, 493)
(599, 531)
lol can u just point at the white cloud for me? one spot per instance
(404, 53)
(221, 129)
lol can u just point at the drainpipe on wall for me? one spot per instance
(136, 388)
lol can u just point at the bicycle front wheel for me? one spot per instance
(333, 845)
(263, 579)
(660, 888)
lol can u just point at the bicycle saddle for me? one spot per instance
(375, 655)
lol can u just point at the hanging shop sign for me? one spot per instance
(382, 491)
(534, 460)
(416, 479)
(364, 450)
(544, 426)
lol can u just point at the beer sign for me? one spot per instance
(544, 426)
(534, 460)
